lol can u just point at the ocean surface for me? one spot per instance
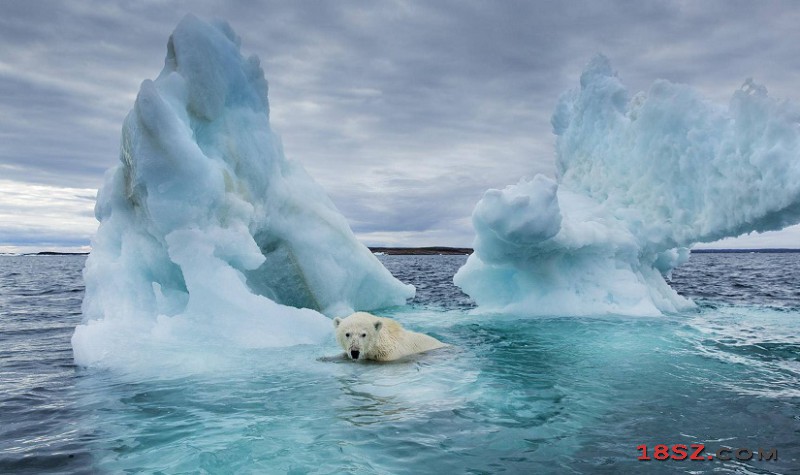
(512, 395)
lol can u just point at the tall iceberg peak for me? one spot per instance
(639, 180)
(207, 232)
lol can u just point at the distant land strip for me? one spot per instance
(744, 251)
(422, 251)
(54, 253)
(437, 250)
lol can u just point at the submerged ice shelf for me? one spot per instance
(208, 234)
(639, 180)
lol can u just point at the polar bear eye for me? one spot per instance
(363, 335)
(347, 335)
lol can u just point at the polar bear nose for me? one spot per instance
(354, 354)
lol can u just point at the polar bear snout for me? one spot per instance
(354, 354)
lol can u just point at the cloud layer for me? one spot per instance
(405, 112)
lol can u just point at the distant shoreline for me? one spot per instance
(466, 251)
(54, 253)
(422, 251)
(743, 251)
(454, 251)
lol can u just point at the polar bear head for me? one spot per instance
(357, 334)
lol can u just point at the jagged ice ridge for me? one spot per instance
(208, 235)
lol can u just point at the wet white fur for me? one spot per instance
(379, 338)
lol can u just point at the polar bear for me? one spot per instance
(364, 336)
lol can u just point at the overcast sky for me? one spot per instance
(404, 111)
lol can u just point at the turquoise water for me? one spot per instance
(545, 395)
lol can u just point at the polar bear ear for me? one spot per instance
(378, 325)
(336, 322)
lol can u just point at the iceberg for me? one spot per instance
(208, 235)
(639, 180)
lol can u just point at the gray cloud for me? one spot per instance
(404, 111)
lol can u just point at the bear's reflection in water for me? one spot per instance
(408, 388)
(342, 358)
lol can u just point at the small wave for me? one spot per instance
(758, 349)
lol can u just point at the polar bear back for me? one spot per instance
(396, 342)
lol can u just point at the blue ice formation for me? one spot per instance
(208, 234)
(639, 180)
